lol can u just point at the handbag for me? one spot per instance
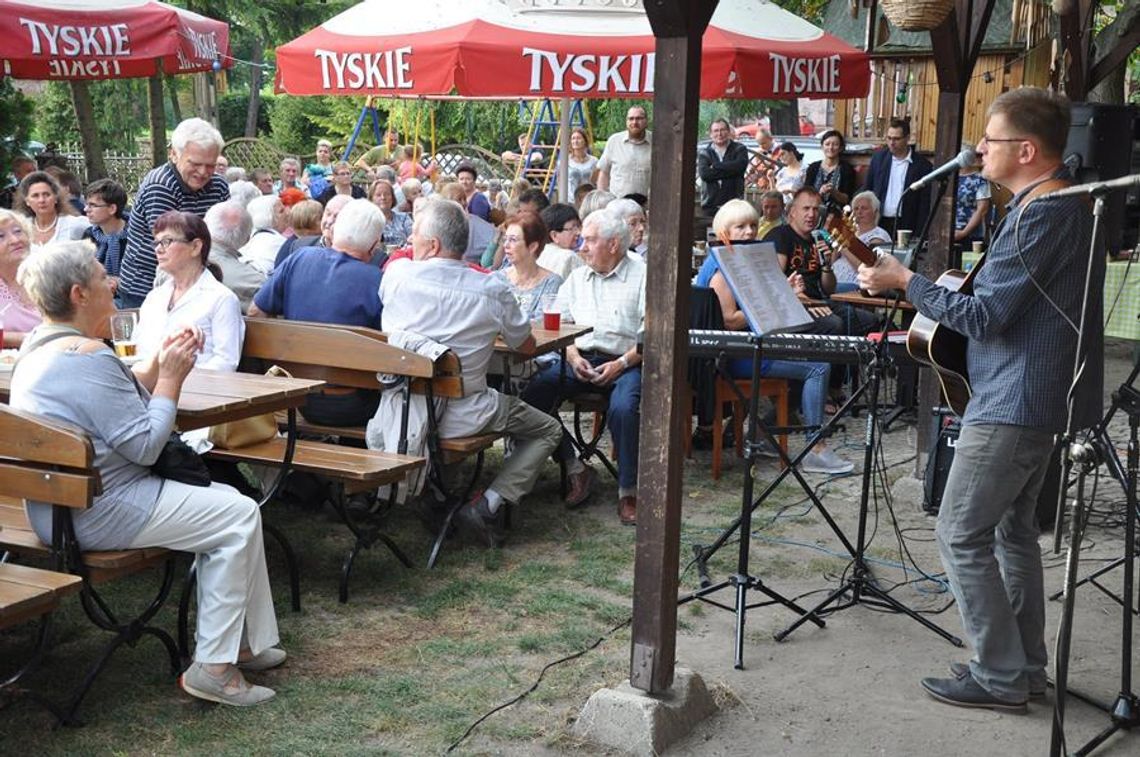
(178, 462)
(247, 431)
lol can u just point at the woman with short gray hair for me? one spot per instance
(67, 373)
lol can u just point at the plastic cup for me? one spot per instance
(977, 247)
(123, 333)
(551, 316)
(904, 237)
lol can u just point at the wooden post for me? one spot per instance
(1076, 34)
(678, 26)
(956, 44)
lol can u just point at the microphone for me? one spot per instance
(821, 235)
(964, 159)
(1097, 187)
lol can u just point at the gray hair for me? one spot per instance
(609, 226)
(195, 131)
(874, 200)
(261, 210)
(624, 208)
(595, 200)
(235, 173)
(358, 226)
(388, 174)
(289, 162)
(24, 222)
(49, 273)
(446, 222)
(244, 192)
(229, 223)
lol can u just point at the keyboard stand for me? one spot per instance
(742, 581)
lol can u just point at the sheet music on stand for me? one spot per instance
(760, 287)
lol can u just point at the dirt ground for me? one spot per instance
(853, 687)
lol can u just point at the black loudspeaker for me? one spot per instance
(1099, 149)
(946, 428)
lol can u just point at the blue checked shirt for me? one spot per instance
(1021, 350)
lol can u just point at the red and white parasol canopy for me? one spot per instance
(106, 39)
(588, 48)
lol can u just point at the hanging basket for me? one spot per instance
(916, 15)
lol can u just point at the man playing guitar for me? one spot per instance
(1020, 324)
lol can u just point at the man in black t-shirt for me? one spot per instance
(799, 253)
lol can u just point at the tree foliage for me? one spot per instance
(15, 123)
(120, 113)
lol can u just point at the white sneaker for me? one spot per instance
(827, 462)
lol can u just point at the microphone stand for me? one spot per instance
(1125, 711)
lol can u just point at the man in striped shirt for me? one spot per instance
(187, 183)
(1021, 323)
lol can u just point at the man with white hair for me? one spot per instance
(608, 293)
(187, 183)
(334, 284)
(230, 225)
(270, 220)
(244, 192)
(437, 296)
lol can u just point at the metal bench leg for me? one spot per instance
(437, 545)
(290, 563)
(588, 450)
(10, 691)
(366, 535)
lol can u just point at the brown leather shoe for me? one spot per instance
(627, 511)
(579, 486)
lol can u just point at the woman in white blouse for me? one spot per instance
(190, 296)
(583, 165)
(53, 218)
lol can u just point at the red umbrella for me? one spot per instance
(492, 48)
(107, 39)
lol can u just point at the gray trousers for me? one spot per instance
(535, 436)
(987, 536)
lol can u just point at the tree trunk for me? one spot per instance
(254, 88)
(157, 120)
(1110, 89)
(89, 134)
(785, 120)
(175, 106)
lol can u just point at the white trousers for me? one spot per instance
(223, 529)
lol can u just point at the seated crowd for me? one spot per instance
(417, 255)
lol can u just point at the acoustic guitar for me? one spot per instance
(842, 230)
(942, 348)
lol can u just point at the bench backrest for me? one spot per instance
(44, 460)
(346, 355)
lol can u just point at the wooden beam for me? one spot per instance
(663, 381)
(1075, 42)
(1125, 40)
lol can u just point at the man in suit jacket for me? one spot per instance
(893, 170)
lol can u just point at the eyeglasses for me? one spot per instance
(987, 139)
(512, 239)
(343, 173)
(165, 242)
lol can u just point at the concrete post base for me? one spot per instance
(637, 723)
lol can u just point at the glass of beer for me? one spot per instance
(123, 333)
(551, 315)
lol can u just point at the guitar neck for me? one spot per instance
(845, 236)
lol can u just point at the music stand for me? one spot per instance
(767, 302)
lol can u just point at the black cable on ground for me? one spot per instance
(471, 728)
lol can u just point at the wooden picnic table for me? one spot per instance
(546, 341)
(212, 397)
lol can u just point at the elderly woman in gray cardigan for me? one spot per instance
(65, 372)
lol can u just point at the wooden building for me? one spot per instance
(904, 82)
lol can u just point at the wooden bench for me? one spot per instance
(353, 356)
(345, 356)
(51, 462)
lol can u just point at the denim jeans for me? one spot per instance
(813, 375)
(623, 418)
(987, 536)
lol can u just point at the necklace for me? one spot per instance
(49, 227)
